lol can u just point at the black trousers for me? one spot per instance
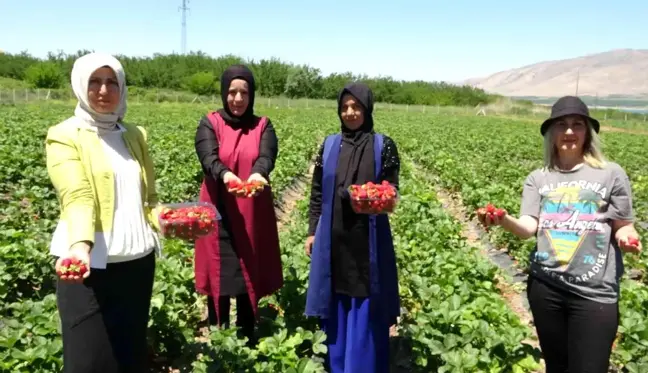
(576, 334)
(104, 320)
(244, 314)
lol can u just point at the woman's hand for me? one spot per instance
(309, 245)
(626, 236)
(630, 244)
(258, 177)
(80, 251)
(525, 227)
(228, 178)
(489, 218)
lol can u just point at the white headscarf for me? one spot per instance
(81, 71)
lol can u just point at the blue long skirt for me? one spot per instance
(357, 341)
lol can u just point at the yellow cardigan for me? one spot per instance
(84, 179)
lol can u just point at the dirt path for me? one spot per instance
(285, 204)
(513, 286)
(510, 286)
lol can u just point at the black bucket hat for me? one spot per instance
(568, 105)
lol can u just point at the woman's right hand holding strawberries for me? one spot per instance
(490, 215)
(75, 266)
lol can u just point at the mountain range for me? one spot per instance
(619, 72)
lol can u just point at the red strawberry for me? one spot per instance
(491, 211)
(632, 241)
(82, 269)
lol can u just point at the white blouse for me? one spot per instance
(131, 237)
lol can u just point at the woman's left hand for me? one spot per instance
(630, 244)
(257, 177)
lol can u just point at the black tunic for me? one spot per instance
(206, 143)
(350, 234)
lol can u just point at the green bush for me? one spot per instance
(202, 83)
(44, 75)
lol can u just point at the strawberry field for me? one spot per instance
(454, 318)
(486, 160)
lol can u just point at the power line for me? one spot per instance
(184, 10)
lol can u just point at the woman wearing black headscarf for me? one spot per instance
(353, 284)
(241, 259)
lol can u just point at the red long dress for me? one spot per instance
(253, 220)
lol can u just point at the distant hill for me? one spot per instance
(620, 72)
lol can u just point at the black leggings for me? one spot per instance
(244, 314)
(576, 334)
(104, 320)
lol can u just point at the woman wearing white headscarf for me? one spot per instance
(105, 183)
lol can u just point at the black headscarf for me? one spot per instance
(231, 73)
(356, 163)
(350, 231)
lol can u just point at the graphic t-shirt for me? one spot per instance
(575, 248)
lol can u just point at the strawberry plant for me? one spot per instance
(454, 318)
(29, 336)
(485, 160)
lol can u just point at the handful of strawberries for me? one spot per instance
(490, 214)
(245, 189)
(72, 268)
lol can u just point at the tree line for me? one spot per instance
(199, 73)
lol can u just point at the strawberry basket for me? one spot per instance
(372, 198)
(189, 220)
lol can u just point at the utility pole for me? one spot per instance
(184, 9)
(577, 81)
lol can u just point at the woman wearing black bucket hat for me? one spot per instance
(579, 206)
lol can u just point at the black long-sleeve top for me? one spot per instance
(351, 268)
(232, 281)
(207, 147)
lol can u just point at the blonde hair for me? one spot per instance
(592, 153)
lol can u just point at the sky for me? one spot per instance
(430, 40)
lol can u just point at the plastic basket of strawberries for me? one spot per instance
(188, 221)
(372, 198)
(245, 189)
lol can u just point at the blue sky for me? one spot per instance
(412, 39)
